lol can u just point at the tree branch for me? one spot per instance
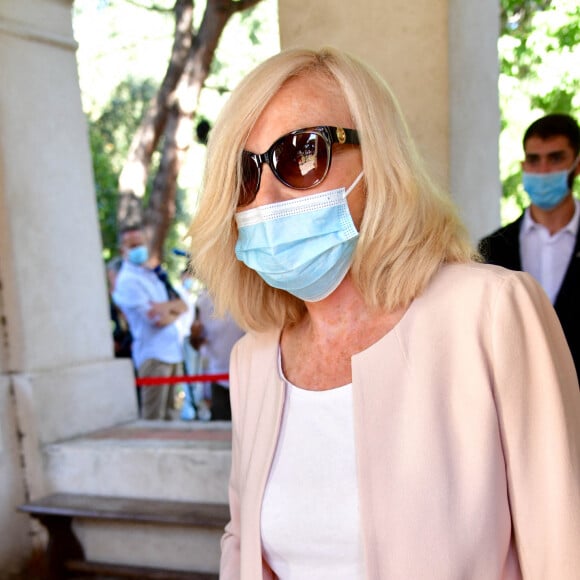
(133, 178)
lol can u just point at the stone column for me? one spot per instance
(58, 376)
(440, 59)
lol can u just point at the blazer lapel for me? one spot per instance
(260, 433)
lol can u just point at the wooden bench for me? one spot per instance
(65, 554)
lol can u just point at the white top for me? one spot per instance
(544, 256)
(220, 336)
(310, 524)
(136, 287)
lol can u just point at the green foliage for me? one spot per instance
(517, 23)
(106, 190)
(568, 36)
(557, 100)
(176, 264)
(110, 137)
(254, 25)
(539, 51)
(516, 15)
(121, 116)
(124, 46)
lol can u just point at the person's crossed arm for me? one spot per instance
(164, 313)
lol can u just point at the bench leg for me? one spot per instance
(63, 545)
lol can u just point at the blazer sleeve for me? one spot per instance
(538, 404)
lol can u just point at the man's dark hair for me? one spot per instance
(131, 228)
(554, 125)
(126, 229)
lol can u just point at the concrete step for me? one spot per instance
(157, 459)
(182, 461)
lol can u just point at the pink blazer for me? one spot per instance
(467, 426)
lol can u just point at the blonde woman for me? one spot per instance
(400, 411)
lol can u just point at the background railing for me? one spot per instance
(156, 381)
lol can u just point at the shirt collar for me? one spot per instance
(571, 227)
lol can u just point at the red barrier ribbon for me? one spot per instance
(154, 381)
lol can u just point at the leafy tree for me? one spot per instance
(110, 136)
(120, 72)
(106, 189)
(168, 123)
(538, 46)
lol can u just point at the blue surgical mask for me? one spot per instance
(303, 246)
(138, 255)
(547, 190)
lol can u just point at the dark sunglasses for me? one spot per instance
(300, 159)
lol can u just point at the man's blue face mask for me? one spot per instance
(138, 255)
(547, 190)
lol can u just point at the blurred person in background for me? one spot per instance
(545, 239)
(213, 337)
(152, 308)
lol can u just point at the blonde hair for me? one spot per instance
(408, 230)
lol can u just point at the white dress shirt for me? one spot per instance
(544, 256)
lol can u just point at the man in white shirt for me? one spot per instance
(544, 240)
(152, 308)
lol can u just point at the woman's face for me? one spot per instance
(307, 101)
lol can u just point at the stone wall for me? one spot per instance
(440, 59)
(58, 377)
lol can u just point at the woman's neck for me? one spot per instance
(345, 316)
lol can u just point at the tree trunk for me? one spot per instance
(174, 121)
(133, 178)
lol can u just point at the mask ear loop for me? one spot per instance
(354, 183)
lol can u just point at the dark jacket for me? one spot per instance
(502, 247)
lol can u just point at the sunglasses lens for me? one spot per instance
(301, 160)
(250, 179)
